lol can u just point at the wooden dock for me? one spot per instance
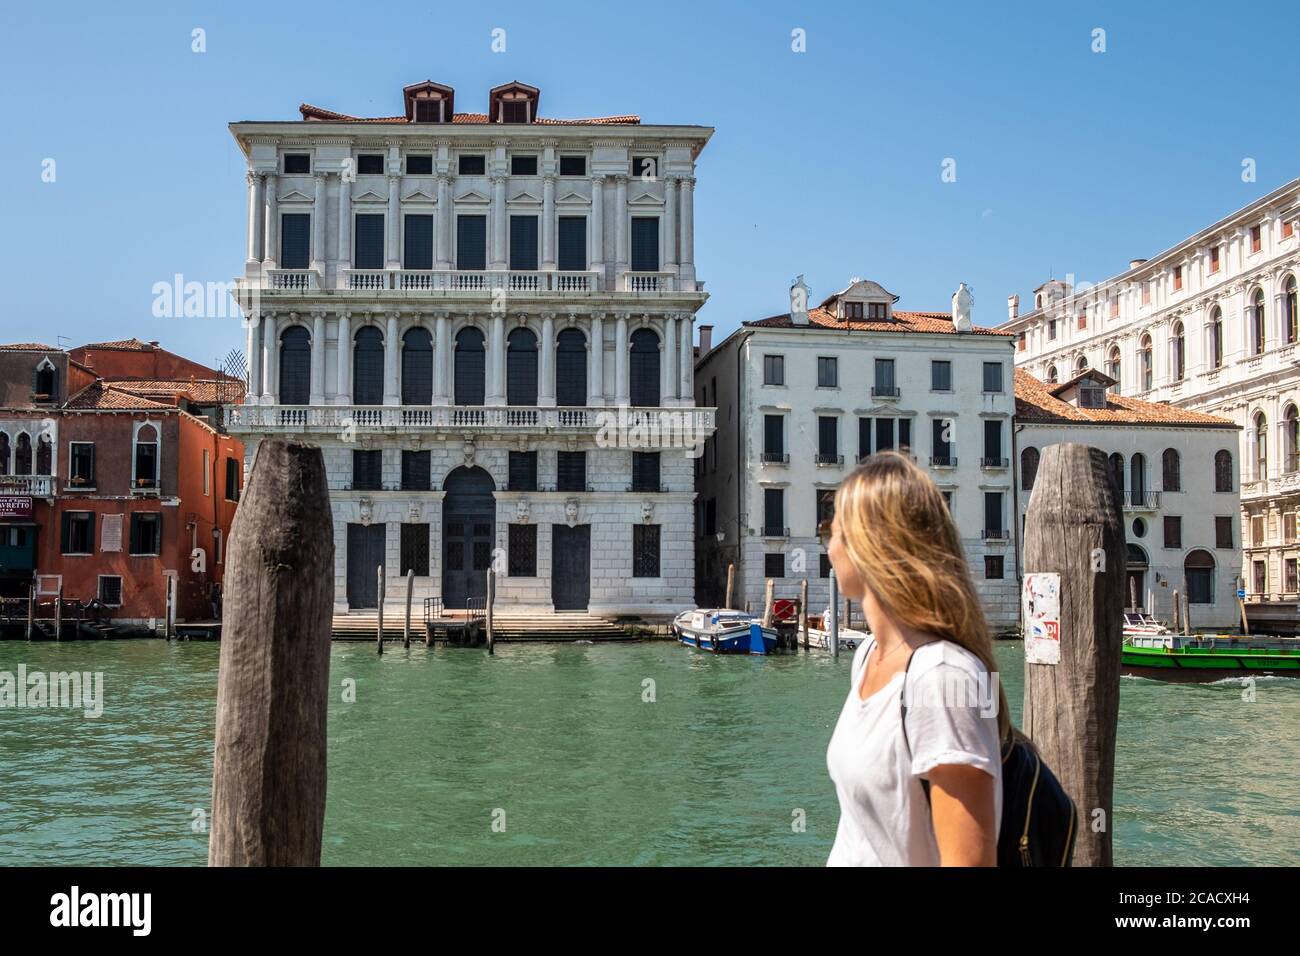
(507, 627)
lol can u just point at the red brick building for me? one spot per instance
(116, 481)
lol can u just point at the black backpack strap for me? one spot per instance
(902, 720)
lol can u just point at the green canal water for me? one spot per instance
(560, 744)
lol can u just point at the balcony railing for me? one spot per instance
(466, 280)
(774, 531)
(994, 463)
(943, 461)
(38, 486)
(1141, 500)
(830, 460)
(775, 458)
(668, 424)
(995, 534)
(648, 282)
(884, 391)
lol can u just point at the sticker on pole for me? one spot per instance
(1041, 604)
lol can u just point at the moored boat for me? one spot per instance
(724, 632)
(1201, 659)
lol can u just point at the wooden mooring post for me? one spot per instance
(1074, 528)
(1178, 612)
(58, 615)
(406, 625)
(379, 620)
(31, 611)
(487, 609)
(803, 612)
(769, 597)
(731, 586)
(833, 625)
(1187, 612)
(268, 775)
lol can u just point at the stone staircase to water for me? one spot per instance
(507, 626)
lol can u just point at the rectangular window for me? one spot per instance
(295, 240)
(417, 245)
(367, 470)
(993, 376)
(1214, 259)
(1288, 229)
(774, 512)
(1114, 307)
(851, 310)
(773, 369)
(904, 433)
(864, 437)
(774, 565)
(471, 165)
(645, 167)
(1261, 577)
(645, 550)
(993, 526)
(471, 242)
(523, 243)
(81, 464)
(523, 471)
(521, 548)
(415, 550)
(297, 163)
(573, 244)
(825, 507)
(1146, 294)
(421, 164)
(573, 165)
(1223, 532)
(940, 375)
(523, 165)
(78, 532)
(1288, 527)
(415, 470)
(711, 516)
(645, 244)
(993, 567)
(1255, 233)
(645, 471)
(571, 471)
(828, 449)
(1289, 570)
(1178, 277)
(884, 434)
(370, 164)
(828, 372)
(146, 464)
(1051, 328)
(1257, 530)
(110, 590)
(1083, 318)
(1021, 341)
(774, 438)
(146, 533)
(993, 444)
(1173, 531)
(885, 378)
(824, 565)
(940, 446)
(232, 479)
(368, 248)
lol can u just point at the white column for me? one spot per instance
(548, 223)
(270, 359)
(271, 246)
(496, 370)
(393, 257)
(443, 222)
(344, 255)
(668, 362)
(686, 364)
(442, 359)
(687, 255)
(254, 353)
(621, 386)
(596, 380)
(598, 229)
(317, 392)
(670, 224)
(255, 220)
(318, 227)
(620, 230)
(344, 395)
(392, 350)
(498, 260)
(546, 370)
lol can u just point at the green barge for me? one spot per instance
(1200, 659)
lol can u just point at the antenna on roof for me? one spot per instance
(60, 339)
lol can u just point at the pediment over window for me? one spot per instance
(296, 195)
(419, 195)
(574, 197)
(369, 196)
(473, 196)
(645, 199)
(524, 196)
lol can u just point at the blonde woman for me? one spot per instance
(929, 793)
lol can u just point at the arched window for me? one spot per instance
(4, 454)
(1081, 365)
(417, 367)
(1117, 471)
(470, 367)
(1198, 569)
(23, 454)
(1113, 368)
(1257, 323)
(145, 473)
(1289, 316)
(1171, 470)
(1148, 365)
(643, 369)
(1216, 338)
(1290, 440)
(1177, 353)
(1223, 470)
(1052, 375)
(368, 366)
(45, 382)
(295, 366)
(44, 456)
(1028, 468)
(521, 368)
(571, 368)
(1137, 479)
(1261, 446)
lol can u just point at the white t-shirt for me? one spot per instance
(951, 719)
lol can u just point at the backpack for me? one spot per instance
(1039, 820)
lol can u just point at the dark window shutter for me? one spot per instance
(773, 510)
(523, 471)
(368, 251)
(415, 549)
(942, 448)
(643, 369)
(415, 471)
(368, 366)
(521, 368)
(370, 164)
(571, 471)
(418, 250)
(295, 240)
(993, 511)
(884, 434)
(773, 434)
(645, 551)
(367, 470)
(522, 547)
(417, 367)
(571, 368)
(993, 439)
(419, 164)
(572, 243)
(645, 244)
(523, 243)
(645, 471)
(864, 437)
(904, 433)
(827, 435)
(471, 242)
(470, 367)
(295, 366)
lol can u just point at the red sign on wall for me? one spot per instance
(15, 507)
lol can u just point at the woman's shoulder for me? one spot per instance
(940, 655)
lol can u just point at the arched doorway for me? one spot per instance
(1137, 479)
(1135, 585)
(468, 534)
(1198, 569)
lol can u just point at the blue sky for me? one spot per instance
(825, 163)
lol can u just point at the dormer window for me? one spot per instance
(877, 311)
(851, 310)
(513, 103)
(1090, 396)
(429, 111)
(514, 111)
(429, 102)
(45, 382)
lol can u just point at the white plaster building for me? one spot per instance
(1178, 469)
(476, 315)
(1209, 324)
(802, 397)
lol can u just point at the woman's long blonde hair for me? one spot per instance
(898, 532)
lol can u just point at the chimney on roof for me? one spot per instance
(153, 344)
(962, 301)
(1013, 307)
(706, 339)
(799, 302)
(1134, 263)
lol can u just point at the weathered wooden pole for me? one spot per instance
(1241, 606)
(487, 613)
(406, 626)
(1187, 612)
(379, 619)
(803, 611)
(1178, 612)
(31, 611)
(769, 596)
(833, 635)
(731, 585)
(268, 775)
(1074, 528)
(1133, 594)
(58, 615)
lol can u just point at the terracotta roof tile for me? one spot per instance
(103, 396)
(199, 391)
(902, 322)
(317, 114)
(1035, 404)
(29, 347)
(123, 345)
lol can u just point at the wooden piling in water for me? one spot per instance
(406, 625)
(769, 595)
(833, 625)
(58, 615)
(1071, 708)
(1187, 612)
(31, 611)
(1178, 612)
(269, 768)
(731, 585)
(379, 620)
(487, 605)
(803, 611)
